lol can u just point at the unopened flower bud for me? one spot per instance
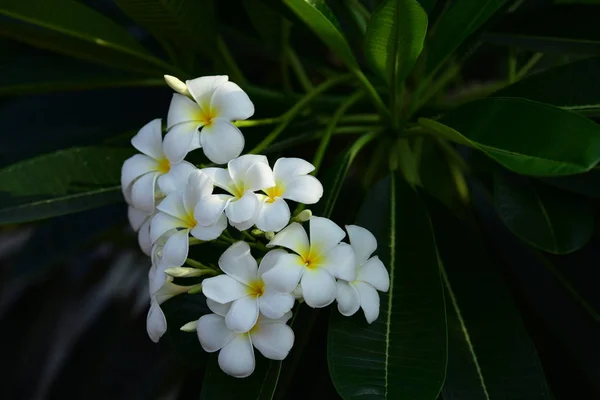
(185, 272)
(189, 327)
(269, 235)
(257, 232)
(177, 85)
(303, 216)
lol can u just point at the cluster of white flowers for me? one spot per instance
(171, 200)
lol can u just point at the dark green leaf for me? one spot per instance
(527, 137)
(268, 23)
(395, 36)
(573, 87)
(490, 355)
(61, 183)
(587, 184)
(549, 219)
(72, 28)
(427, 5)
(319, 18)
(402, 355)
(186, 24)
(455, 25)
(39, 74)
(568, 29)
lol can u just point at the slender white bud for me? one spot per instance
(303, 216)
(189, 327)
(177, 85)
(185, 272)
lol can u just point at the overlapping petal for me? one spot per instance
(221, 141)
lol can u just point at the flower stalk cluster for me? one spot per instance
(174, 204)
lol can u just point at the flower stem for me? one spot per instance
(299, 70)
(257, 122)
(318, 159)
(229, 61)
(527, 67)
(292, 112)
(196, 264)
(375, 98)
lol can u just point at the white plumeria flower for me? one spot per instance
(217, 103)
(177, 213)
(315, 265)
(371, 276)
(243, 176)
(140, 223)
(272, 337)
(292, 182)
(243, 287)
(156, 322)
(146, 176)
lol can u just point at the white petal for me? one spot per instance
(223, 289)
(203, 88)
(156, 323)
(285, 169)
(210, 208)
(176, 249)
(347, 298)
(182, 110)
(340, 262)
(318, 287)
(179, 141)
(199, 185)
(369, 300)
(237, 357)
(221, 178)
(286, 273)
(176, 178)
(148, 140)
(218, 308)
(259, 177)
(374, 273)
(162, 223)
(142, 192)
(136, 166)
(243, 209)
(144, 239)
(274, 305)
(243, 226)
(269, 260)
(243, 314)
(238, 167)
(173, 205)
(274, 341)
(136, 217)
(362, 241)
(293, 237)
(237, 262)
(304, 189)
(230, 102)
(283, 320)
(157, 278)
(169, 290)
(210, 232)
(221, 141)
(213, 333)
(274, 216)
(324, 234)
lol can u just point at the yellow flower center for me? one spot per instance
(238, 190)
(189, 220)
(256, 288)
(206, 115)
(164, 165)
(274, 192)
(311, 260)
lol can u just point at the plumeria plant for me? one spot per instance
(372, 188)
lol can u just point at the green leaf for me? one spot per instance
(395, 36)
(573, 87)
(186, 24)
(587, 184)
(527, 137)
(61, 183)
(427, 5)
(46, 73)
(268, 23)
(567, 29)
(319, 18)
(490, 355)
(455, 25)
(401, 355)
(70, 27)
(551, 220)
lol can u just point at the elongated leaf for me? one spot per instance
(402, 355)
(587, 184)
(551, 220)
(395, 36)
(461, 20)
(527, 137)
(40, 74)
(573, 87)
(268, 23)
(187, 24)
(70, 27)
(319, 18)
(490, 355)
(61, 183)
(567, 29)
